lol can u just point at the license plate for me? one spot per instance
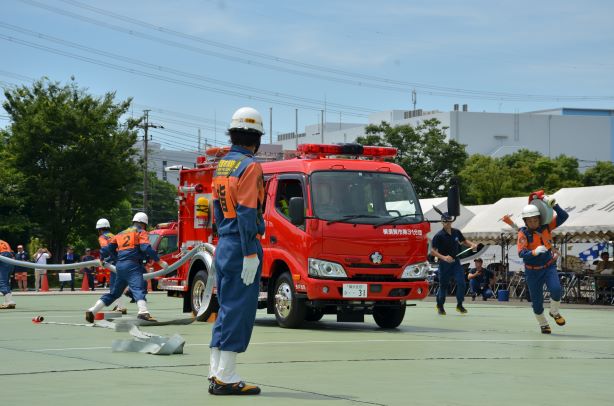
(355, 290)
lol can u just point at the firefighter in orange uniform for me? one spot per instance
(539, 257)
(131, 247)
(5, 273)
(104, 236)
(238, 194)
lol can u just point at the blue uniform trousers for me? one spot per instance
(476, 287)
(536, 278)
(448, 271)
(129, 273)
(5, 273)
(233, 327)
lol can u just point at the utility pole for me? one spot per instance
(322, 129)
(199, 153)
(414, 98)
(146, 126)
(270, 125)
(296, 128)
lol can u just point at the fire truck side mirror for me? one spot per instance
(454, 199)
(296, 209)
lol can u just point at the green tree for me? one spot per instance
(75, 156)
(162, 199)
(600, 174)
(162, 203)
(14, 223)
(423, 152)
(487, 179)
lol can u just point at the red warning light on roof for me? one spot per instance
(347, 149)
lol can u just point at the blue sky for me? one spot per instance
(194, 62)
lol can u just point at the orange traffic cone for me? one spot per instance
(85, 285)
(44, 283)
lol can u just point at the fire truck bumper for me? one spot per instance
(172, 284)
(320, 289)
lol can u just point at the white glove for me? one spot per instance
(550, 201)
(541, 250)
(250, 268)
(163, 264)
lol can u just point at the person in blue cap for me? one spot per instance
(445, 247)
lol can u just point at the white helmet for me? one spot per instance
(102, 223)
(530, 210)
(247, 118)
(141, 218)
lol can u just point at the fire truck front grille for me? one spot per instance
(373, 266)
(373, 278)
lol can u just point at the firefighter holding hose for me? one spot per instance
(539, 256)
(131, 247)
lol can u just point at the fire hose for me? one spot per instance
(50, 267)
(206, 246)
(96, 262)
(143, 342)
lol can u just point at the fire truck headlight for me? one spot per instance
(325, 269)
(416, 271)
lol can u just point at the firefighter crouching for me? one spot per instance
(5, 273)
(238, 194)
(539, 257)
(131, 247)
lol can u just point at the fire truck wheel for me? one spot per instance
(198, 297)
(314, 314)
(289, 309)
(389, 315)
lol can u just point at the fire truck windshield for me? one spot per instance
(153, 238)
(364, 197)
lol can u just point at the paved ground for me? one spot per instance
(494, 355)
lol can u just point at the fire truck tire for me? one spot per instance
(314, 314)
(389, 316)
(289, 309)
(199, 284)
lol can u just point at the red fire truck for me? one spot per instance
(345, 235)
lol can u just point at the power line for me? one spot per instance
(433, 90)
(164, 78)
(166, 112)
(160, 68)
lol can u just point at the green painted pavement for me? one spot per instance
(494, 355)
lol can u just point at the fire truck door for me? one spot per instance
(270, 184)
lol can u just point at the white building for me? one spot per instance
(160, 158)
(586, 134)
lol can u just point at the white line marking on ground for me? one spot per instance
(605, 340)
(432, 340)
(70, 349)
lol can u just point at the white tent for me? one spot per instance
(591, 213)
(475, 209)
(487, 226)
(442, 204)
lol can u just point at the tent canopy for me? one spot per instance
(488, 228)
(591, 213)
(442, 204)
(591, 216)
